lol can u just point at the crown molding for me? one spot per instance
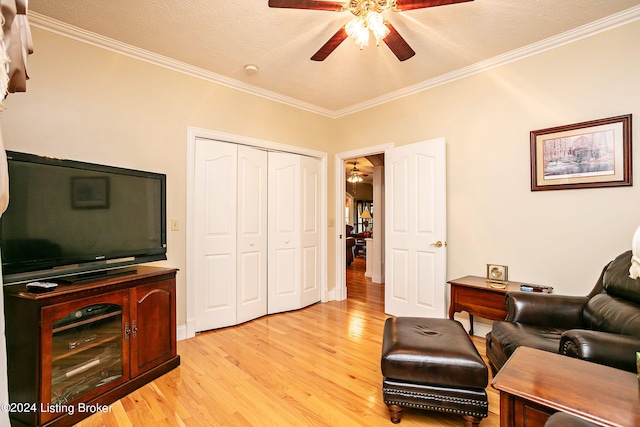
(49, 24)
(602, 25)
(54, 26)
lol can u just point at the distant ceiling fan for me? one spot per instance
(368, 17)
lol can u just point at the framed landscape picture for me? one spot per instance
(582, 155)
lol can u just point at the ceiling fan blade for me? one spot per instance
(330, 46)
(421, 4)
(397, 44)
(307, 4)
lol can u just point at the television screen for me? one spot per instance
(67, 217)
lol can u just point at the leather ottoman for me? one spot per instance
(432, 364)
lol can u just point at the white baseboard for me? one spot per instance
(181, 332)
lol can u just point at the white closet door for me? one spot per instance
(252, 234)
(310, 230)
(284, 232)
(215, 234)
(257, 233)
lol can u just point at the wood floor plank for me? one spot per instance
(319, 366)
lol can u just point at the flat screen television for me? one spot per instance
(71, 220)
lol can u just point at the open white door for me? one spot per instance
(415, 227)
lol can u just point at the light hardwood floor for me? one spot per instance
(319, 366)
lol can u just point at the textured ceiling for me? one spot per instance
(221, 37)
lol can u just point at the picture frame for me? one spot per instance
(590, 154)
(90, 192)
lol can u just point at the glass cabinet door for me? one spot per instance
(86, 341)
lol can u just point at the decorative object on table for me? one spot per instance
(582, 155)
(497, 275)
(536, 288)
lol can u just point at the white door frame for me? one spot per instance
(192, 134)
(340, 291)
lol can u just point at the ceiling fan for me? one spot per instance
(368, 17)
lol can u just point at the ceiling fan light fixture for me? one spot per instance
(375, 22)
(354, 179)
(358, 28)
(358, 31)
(354, 176)
(368, 16)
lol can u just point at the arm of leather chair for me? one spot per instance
(541, 309)
(604, 348)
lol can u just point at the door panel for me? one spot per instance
(80, 349)
(428, 294)
(252, 234)
(415, 222)
(400, 276)
(152, 333)
(310, 270)
(219, 273)
(215, 234)
(310, 231)
(284, 232)
(426, 196)
(398, 196)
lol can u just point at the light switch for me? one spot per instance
(175, 225)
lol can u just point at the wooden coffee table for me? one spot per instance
(534, 384)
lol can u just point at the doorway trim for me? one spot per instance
(194, 133)
(340, 291)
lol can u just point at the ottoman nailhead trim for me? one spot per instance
(481, 403)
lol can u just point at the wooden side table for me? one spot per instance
(534, 384)
(478, 298)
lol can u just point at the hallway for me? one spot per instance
(360, 288)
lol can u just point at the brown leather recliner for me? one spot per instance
(602, 327)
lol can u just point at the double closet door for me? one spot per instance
(256, 233)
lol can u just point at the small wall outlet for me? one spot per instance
(175, 225)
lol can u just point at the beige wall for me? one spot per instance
(560, 238)
(90, 104)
